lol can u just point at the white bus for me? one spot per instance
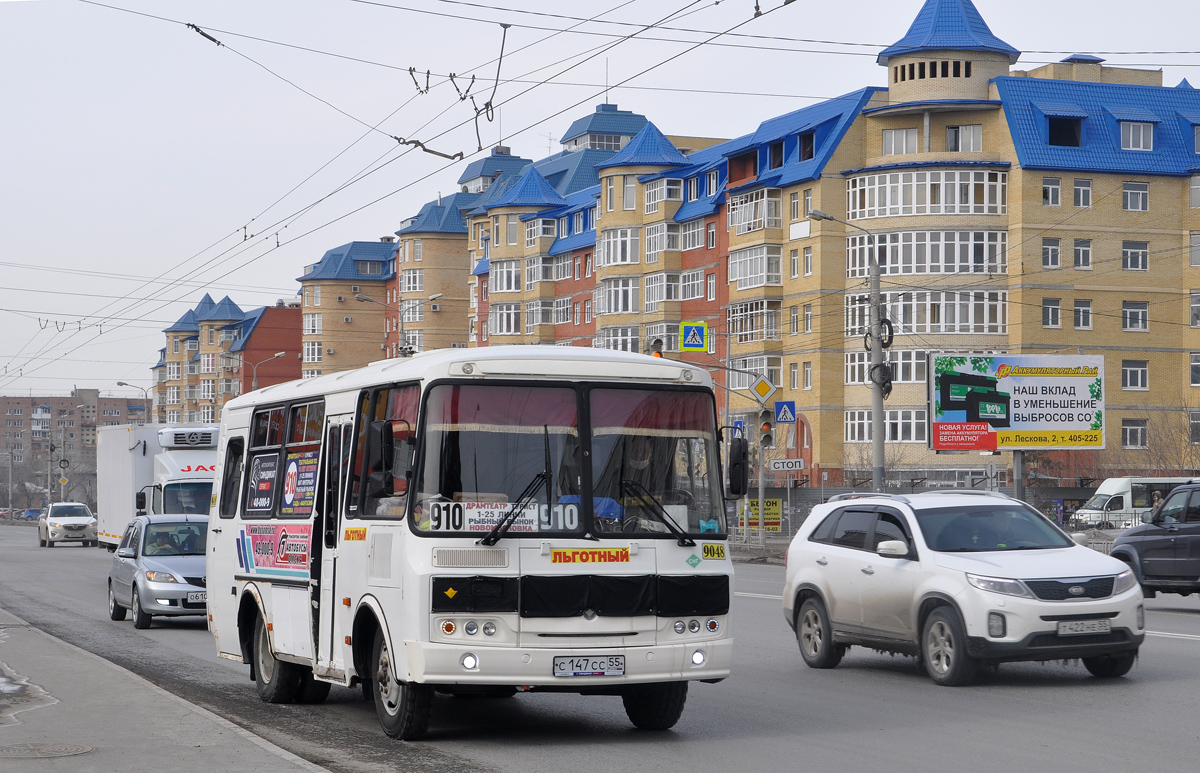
(479, 521)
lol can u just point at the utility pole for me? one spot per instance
(880, 379)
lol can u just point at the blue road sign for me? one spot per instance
(785, 411)
(693, 336)
(740, 426)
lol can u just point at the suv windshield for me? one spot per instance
(70, 511)
(653, 461)
(988, 528)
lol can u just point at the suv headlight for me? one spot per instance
(1000, 585)
(1125, 580)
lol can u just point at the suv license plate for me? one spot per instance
(590, 665)
(201, 596)
(1077, 627)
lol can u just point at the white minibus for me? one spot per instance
(477, 522)
(1120, 502)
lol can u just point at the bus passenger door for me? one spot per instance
(326, 624)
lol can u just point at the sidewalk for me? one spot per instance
(56, 698)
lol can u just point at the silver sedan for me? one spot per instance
(158, 569)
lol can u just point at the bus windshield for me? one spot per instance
(495, 450)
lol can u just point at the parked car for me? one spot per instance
(158, 569)
(66, 522)
(1164, 551)
(958, 579)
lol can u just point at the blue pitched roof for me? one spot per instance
(576, 202)
(606, 120)
(341, 262)
(649, 147)
(482, 267)
(703, 161)
(572, 171)
(493, 163)
(162, 359)
(943, 25)
(445, 217)
(529, 190)
(225, 310)
(247, 325)
(187, 323)
(1029, 102)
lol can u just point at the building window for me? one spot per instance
(794, 315)
(1137, 136)
(794, 376)
(1195, 368)
(1051, 191)
(712, 236)
(775, 155)
(666, 333)
(618, 296)
(929, 252)
(752, 321)
(795, 263)
(808, 375)
(1135, 316)
(659, 288)
(538, 313)
(312, 351)
(618, 246)
(795, 198)
(979, 311)
(907, 366)
(1195, 307)
(1066, 132)
(897, 142)
(753, 211)
(926, 193)
(693, 188)
(504, 319)
(691, 285)
(1136, 197)
(173, 369)
(770, 367)
(691, 235)
(712, 287)
(660, 190)
(808, 147)
(412, 311)
(808, 207)
(629, 192)
(1133, 433)
(587, 311)
(1051, 312)
(1194, 200)
(1083, 314)
(901, 426)
(661, 237)
(173, 395)
(369, 267)
(505, 276)
(1083, 194)
(1135, 256)
(808, 268)
(587, 264)
(1083, 253)
(608, 193)
(312, 324)
(1194, 248)
(577, 314)
(414, 280)
(1050, 253)
(710, 183)
(1135, 374)
(622, 339)
(964, 139)
(755, 266)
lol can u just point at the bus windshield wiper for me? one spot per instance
(501, 527)
(659, 511)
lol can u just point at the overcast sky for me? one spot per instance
(135, 153)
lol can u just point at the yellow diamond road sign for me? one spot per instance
(62, 481)
(762, 389)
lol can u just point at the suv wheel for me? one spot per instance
(944, 649)
(815, 636)
(1110, 666)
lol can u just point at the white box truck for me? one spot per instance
(171, 465)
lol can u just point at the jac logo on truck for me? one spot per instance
(199, 468)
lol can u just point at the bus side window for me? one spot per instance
(234, 461)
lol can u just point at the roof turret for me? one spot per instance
(649, 147)
(948, 25)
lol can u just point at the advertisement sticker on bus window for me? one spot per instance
(260, 489)
(299, 484)
(280, 549)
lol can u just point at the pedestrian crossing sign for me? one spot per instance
(693, 336)
(785, 411)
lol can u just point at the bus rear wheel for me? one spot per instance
(275, 680)
(402, 707)
(655, 706)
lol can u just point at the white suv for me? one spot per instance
(957, 579)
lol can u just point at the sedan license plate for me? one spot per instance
(1078, 627)
(201, 596)
(590, 665)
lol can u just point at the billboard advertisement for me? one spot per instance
(1016, 401)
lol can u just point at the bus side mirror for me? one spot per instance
(379, 446)
(739, 467)
(139, 500)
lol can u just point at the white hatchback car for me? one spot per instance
(957, 579)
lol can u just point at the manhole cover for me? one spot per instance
(29, 750)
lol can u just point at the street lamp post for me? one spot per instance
(400, 313)
(145, 396)
(254, 368)
(876, 337)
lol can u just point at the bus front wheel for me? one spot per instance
(277, 681)
(403, 707)
(655, 706)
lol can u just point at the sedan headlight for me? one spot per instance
(1000, 585)
(1125, 580)
(160, 577)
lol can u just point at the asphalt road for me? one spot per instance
(873, 713)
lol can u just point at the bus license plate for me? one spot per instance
(1077, 627)
(590, 665)
(197, 597)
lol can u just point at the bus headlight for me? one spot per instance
(680, 626)
(698, 658)
(694, 626)
(471, 628)
(489, 629)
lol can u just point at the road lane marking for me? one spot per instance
(1167, 635)
(762, 596)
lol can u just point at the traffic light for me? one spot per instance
(766, 428)
(656, 348)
